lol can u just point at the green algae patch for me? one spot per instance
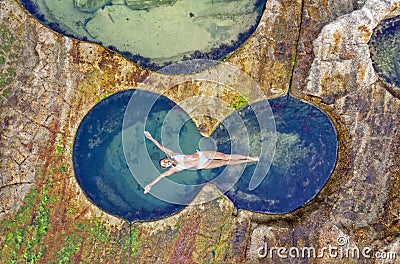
(238, 102)
(33, 234)
(25, 232)
(71, 245)
(134, 240)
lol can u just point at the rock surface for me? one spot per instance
(316, 49)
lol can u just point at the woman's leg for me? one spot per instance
(220, 162)
(215, 155)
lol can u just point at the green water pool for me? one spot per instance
(154, 33)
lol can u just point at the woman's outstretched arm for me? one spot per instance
(164, 149)
(162, 175)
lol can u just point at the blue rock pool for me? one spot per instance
(109, 152)
(154, 33)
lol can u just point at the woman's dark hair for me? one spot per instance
(159, 162)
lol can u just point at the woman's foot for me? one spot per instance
(253, 158)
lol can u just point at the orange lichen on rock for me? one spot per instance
(365, 32)
(337, 39)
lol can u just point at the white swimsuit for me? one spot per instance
(180, 160)
(203, 160)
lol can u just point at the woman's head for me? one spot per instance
(166, 162)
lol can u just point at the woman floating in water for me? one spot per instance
(199, 160)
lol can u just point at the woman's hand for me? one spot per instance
(162, 175)
(147, 134)
(147, 189)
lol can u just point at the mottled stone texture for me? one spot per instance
(317, 49)
(271, 52)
